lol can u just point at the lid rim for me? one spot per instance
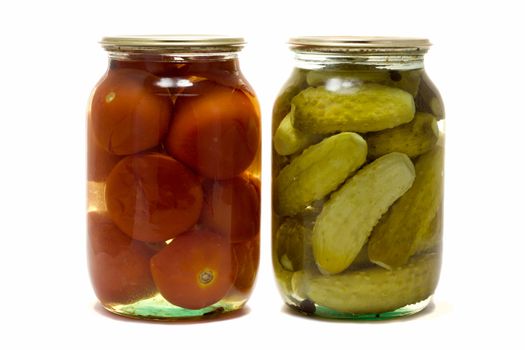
(176, 42)
(358, 42)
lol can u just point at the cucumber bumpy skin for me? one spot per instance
(348, 217)
(318, 171)
(413, 139)
(394, 237)
(288, 140)
(361, 108)
(372, 290)
(335, 79)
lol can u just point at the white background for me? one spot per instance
(50, 60)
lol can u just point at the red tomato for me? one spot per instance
(99, 161)
(247, 256)
(216, 132)
(195, 270)
(231, 207)
(153, 197)
(129, 111)
(119, 266)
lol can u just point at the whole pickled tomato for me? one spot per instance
(195, 270)
(153, 197)
(99, 161)
(231, 207)
(119, 266)
(215, 130)
(129, 111)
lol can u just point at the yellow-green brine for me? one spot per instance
(357, 178)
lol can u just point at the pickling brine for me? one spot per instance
(358, 147)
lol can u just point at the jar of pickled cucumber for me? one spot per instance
(173, 178)
(358, 144)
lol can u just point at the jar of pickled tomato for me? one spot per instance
(358, 146)
(173, 178)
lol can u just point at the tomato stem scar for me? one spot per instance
(206, 277)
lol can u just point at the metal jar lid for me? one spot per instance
(359, 44)
(172, 43)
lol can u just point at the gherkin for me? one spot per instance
(359, 108)
(283, 103)
(348, 217)
(319, 170)
(406, 223)
(371, 290)
(413, 139)
(431, 237)
(288, 140)
(293, 245)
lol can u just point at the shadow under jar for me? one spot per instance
(357, 175)
(173, 178)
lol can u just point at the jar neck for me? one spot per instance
(177, 57)
(383, 60)
(167, 64)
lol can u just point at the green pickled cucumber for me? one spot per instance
(361, 108)
(318, 171)
(372, 290)
(413, 139)
(430, 238)
(293, 245)
(288, 140)
(293, 86)
(283, 277)
(340, 79)
(392, 240)
(348, 217)
(428, 98)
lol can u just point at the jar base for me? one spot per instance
(157, 308)
(309, 308)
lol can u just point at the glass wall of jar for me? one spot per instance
(173, 178)
(358, 140)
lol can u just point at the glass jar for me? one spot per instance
(358, 140)
(173, 178)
